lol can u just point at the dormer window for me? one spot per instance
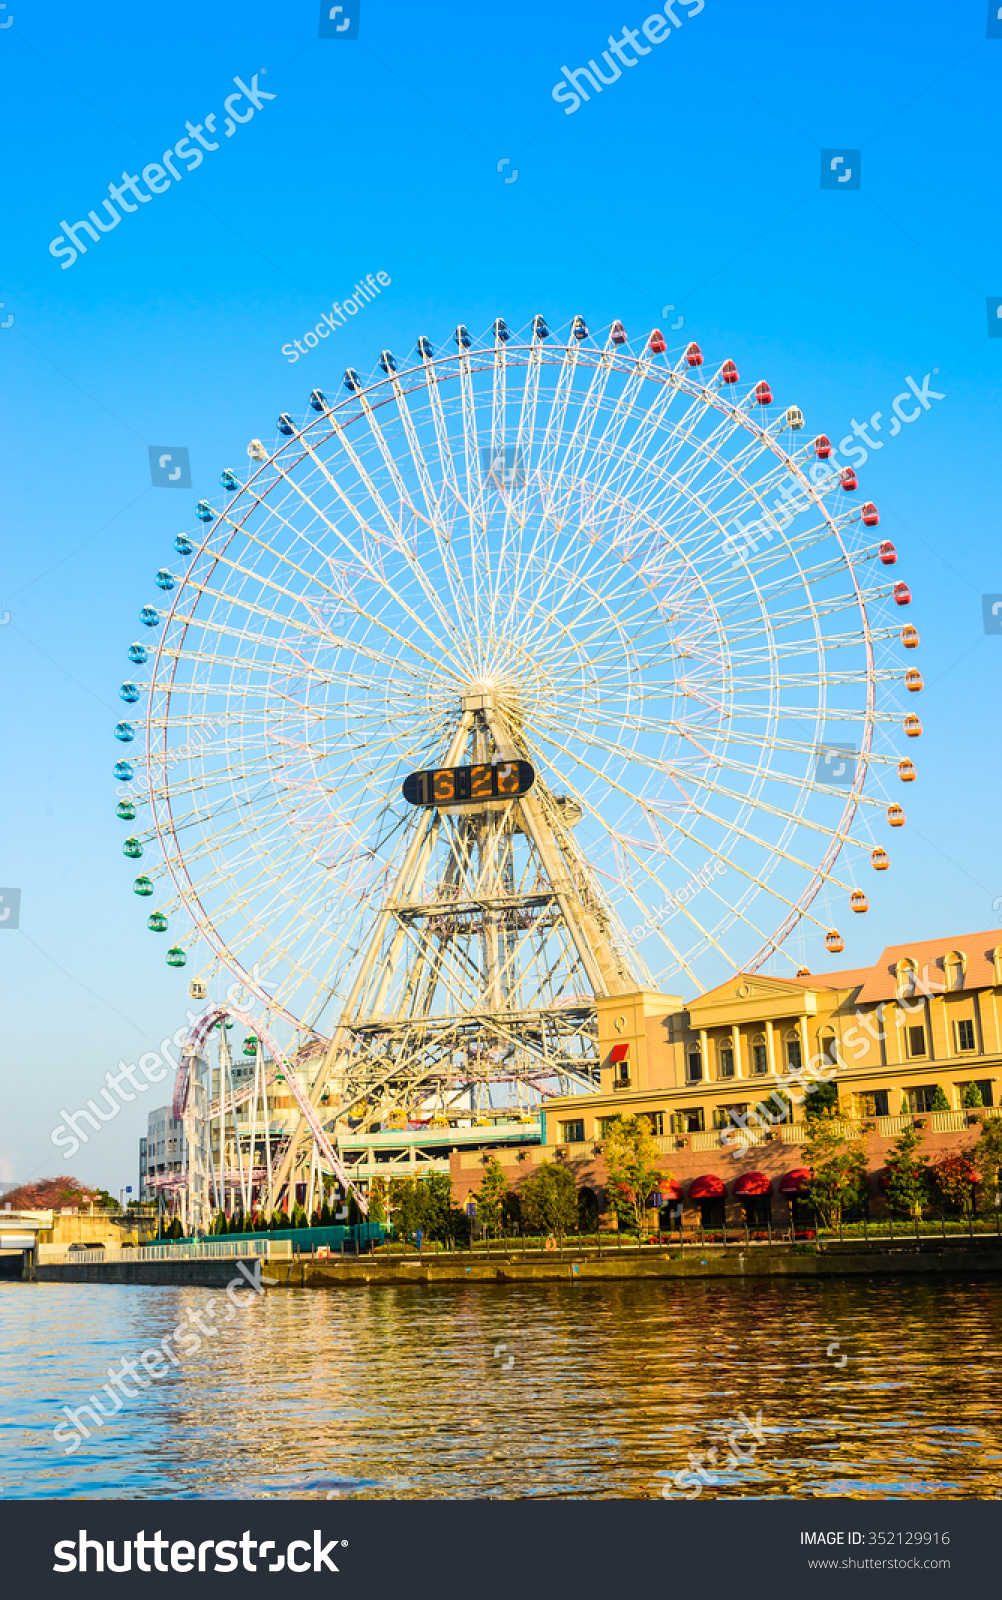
(905, 979)
(955, 968)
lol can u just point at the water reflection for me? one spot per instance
(583, 1391)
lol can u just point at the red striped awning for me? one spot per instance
(619, 1052)
(796, 1182)
(752, 1183)
(708, 1187)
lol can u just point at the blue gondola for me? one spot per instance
(285, 424)
(165, 579)
(579, 328)
(424, 348)
(130, 692)
(319, 401)
(150, 617)
(462, 337)
(539, 328)
(229, 480)
(125, 731)
(352, 381)
(501, 330)
(183, 545)
(122, 771)
(137, 653)
(387, 361)
(204, 511)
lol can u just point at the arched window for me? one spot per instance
(794, 1055)
(905, 978)
(759, 1054)
(955, 966)
(695, 1064)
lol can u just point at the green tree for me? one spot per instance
(939, 1100)
(837, 1166)
(325, 1215)
(987, 1157)
(299, 1217)
(972, 1096)
(491, 1195)
(821, 1098)
(175, 1231)
(631, 1161)
(550, 1199)
(377, 1200)
(908, 1175)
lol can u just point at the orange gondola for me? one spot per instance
(912, 726)
(909, 637)
(834, 942)
(879, 859)
(913, 680)
(858, 901)
(895, 816)
(906, 771)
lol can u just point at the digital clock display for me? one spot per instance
(460, 786)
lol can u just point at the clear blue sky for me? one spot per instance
(694, 180)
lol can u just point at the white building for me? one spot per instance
(162, 1154)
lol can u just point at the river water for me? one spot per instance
(549, 1390)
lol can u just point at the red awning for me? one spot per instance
(619, 1052)
(708, 1187)
(796, 1182)
(670, 1189)
(752, 1183)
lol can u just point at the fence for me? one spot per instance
(177, 1250)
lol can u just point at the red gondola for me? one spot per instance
(871, 516)
(729, 372)
(902, 594)
(694, 355)
(913, 727)
(822, 447)
(848, 479)
(909, 636)
(656, 342)
(887, 553)
(763, 394)
(913, 680)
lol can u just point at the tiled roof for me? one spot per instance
(929, 955)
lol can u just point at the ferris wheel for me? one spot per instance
(612, 563)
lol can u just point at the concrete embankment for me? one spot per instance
(832, 1260)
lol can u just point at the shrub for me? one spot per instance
(939, 1100)
(972, 1096)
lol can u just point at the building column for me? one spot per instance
(704, 1055)
(736, 1045)
(770, 1046)
(805, 1044)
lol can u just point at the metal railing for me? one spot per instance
(174, 1250)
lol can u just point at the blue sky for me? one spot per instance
(693, 180)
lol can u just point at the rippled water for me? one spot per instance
(395, 1393)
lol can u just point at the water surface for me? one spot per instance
(528, 1390)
